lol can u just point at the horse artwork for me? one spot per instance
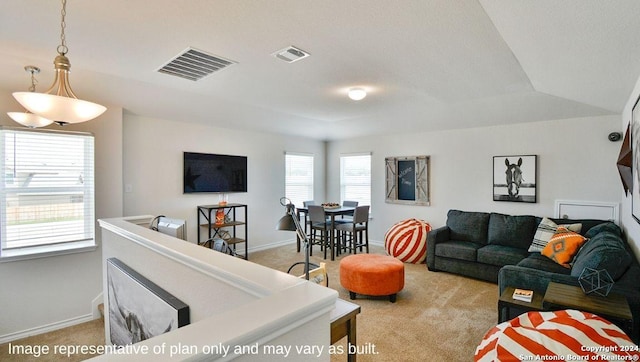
(516, 182)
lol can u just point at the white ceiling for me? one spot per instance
(427, 64)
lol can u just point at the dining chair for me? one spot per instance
(347, 217)
(318, 223)
(355, 234)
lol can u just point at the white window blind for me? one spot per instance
(299, 178)
(47, 192)
(355, 178)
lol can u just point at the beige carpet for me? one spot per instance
(437, 317)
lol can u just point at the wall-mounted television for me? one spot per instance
(207, 172)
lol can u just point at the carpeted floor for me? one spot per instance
(437, 317)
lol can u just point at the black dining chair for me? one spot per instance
(347, 217)
(319, 224)
(355, 234)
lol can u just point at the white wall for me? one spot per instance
(153, 167)
(575, 162)
(47, 293)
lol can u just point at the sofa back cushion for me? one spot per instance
(509, 230)
(604, 250)
(468, 226)
(587, 224)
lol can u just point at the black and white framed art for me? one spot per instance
(514, 178)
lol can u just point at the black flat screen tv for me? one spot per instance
(206, 172)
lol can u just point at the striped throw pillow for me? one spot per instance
(546, 229)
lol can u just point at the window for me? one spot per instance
(46, 193)
(299, 178)
(355, 178)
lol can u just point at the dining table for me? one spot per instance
(331, 212)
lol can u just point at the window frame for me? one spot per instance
(81, 244)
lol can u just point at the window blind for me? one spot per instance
(299, 178)
(355, 178)
(47, 189)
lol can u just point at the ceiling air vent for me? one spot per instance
(291, 54)
(194, 65)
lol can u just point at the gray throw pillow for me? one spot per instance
(604, 250)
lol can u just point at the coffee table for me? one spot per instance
(613, 307)
(506, 302)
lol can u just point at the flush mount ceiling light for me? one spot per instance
(357, 94)
(27, 118)
(59, 103)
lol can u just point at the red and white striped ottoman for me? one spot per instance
(553, 336)
(407, 240)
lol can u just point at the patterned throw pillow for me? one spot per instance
(563, 246)
(546, 229)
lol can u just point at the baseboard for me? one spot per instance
(94, 306)
(46, 328)
(271, 246)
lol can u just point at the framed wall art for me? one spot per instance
(407, 180)
(514, 178)
(138, 308)
(635, 166)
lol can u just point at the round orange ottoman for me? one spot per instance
(372, 274)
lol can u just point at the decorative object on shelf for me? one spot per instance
(407, 180)
(59, 103)
(219, 217)
(223, 200)
(290, 222)
(595, 281)
(27, 118)
(624, 163)
(516, 182)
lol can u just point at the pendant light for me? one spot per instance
(27, 118)
(59, 103)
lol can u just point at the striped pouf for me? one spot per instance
(407, 240)
(554, 336)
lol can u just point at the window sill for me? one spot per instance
(46, 251)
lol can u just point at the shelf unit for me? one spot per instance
(237, 226)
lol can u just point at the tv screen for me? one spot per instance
(205, 172)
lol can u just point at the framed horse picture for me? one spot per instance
(514, 178)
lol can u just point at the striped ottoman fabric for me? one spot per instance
(553, 336)
(407, 240)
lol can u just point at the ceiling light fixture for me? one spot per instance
(59, 103)
(357, 94)
(27, 118)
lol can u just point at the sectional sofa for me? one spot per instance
(498, 248)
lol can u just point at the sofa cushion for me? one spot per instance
(604, 250)
(514, 231)
(546, 229)
(501, 255)
(605, 226)
(463, 250)
(587, 224)
(563, 246)
(468, 226)
(541, 262)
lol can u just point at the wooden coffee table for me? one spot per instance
(506, 302)
(614, 307)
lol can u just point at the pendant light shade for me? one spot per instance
(59, 103)
(27, 118)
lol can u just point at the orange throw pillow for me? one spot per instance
(563, 246)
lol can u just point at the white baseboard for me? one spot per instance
(46, 328)
(94, 306)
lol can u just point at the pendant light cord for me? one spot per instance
(62, 48)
